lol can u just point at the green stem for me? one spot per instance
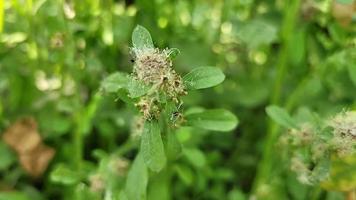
(78, 144)
(265, 167)
(126, 147)
(83, 120)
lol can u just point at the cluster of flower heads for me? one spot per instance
(153, 67)
(312, 145)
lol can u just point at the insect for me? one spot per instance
(177, 116)
(133, 55)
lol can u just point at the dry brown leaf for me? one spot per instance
(22, 136)
(36, 161)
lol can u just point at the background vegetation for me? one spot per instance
(297, 54)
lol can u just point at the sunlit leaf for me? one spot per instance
(141, 38)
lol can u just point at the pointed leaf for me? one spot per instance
(152, 146)
(215, 120)
(203, 77)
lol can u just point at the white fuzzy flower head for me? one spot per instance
(154, 68)
(344, 130)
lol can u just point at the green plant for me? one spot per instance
(155, 89)
(320, 151)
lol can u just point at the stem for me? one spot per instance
(83, 120)
(265, 167)
(78, 144)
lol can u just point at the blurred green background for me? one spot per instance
(298, 54)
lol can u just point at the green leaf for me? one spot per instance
(345, 1)
(184, 173)
(195, 156)
(250, 33)
(281, 117)
(137, 179)
(62, 174)
(236, 194)
(136, 88)
(321, 170)
(152, 146)
(160, 186)
(173, 53)
(173, 147)
(203, 77)
(215, 120)
(12, 195)
(7, 157)
(114, 82)
(141, 38)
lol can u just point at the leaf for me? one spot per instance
(7, 158)
(215, 120)
(173, 147)
(236, 194)
(281, 117)
(141, 38)
(160, 186)
(321, 170)
(62, 174)
(137, 179)
(203, 77)
(195, 156)
(136, 88)
(250, 33)
(173, 53)
(114, 82)
(152, 146)
(13, 195)
(342, 174)
(184, 173)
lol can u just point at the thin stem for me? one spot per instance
(78, 144)
(265, 167)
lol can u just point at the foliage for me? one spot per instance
(77, 69)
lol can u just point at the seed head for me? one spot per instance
(344, 130)
(154, 68)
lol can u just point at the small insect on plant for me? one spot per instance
(155, 90)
